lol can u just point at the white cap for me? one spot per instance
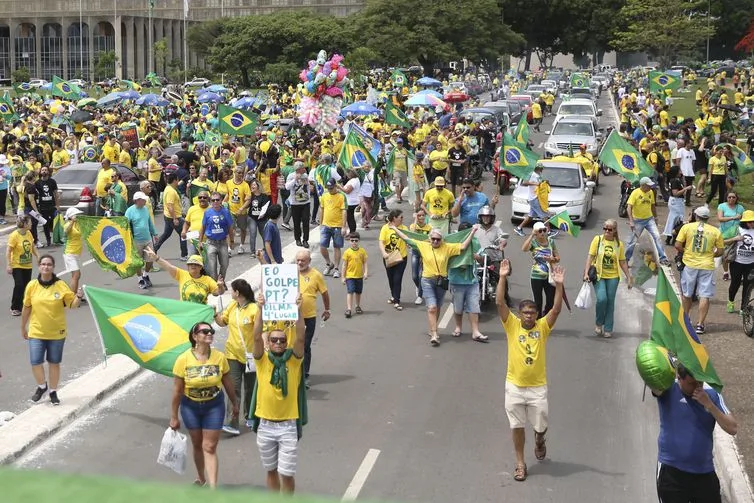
(72, 212)
(141, 195)
(539, 226)
(645, 180)
(702, 212)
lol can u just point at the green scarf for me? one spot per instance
(279, 377)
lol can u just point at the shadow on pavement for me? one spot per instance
(565, 469)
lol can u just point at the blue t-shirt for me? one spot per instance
(470, 207)
(685, 440)
(271, 235)
(141, 223)
(217, 223)
(730, 228)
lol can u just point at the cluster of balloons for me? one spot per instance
(323, 83)
(57, 107)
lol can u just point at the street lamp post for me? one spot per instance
(709, 13)
(81, 39)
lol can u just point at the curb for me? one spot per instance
(734, 483)
(7, 230)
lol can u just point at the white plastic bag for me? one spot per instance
(585, 298)
(173, 451)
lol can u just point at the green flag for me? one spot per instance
(65, 90)
(202, 250)
(620, 156)
(466, 257)
(743, 161)
(517, 159)
(235, 121)
(111, 244)
(7, 112)
(130, 84)
(153, 79)
(152, 331)
(522, 132)
(395, 116)
(660, 81)
(579, 80)
(213, 138)
(23, 88)
(672, 329)
(563, 222)
(354, 154)
(398, 78)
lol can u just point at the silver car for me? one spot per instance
(77, 184)
(569, 133)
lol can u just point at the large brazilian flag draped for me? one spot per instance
(465, 259)
(354, 154)
(618, 155)
(660, 81)
(152, 331)
(110, 242)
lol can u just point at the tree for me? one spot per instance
(104, 65)
(746, 44)
(202, 37)
(663, 28)
(733, 19)
(161, 54)
(21, 75)
(281, 73)
(360, 60)
(590, 32)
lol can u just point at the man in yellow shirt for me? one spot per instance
(718, 169)
(536, 114)
(104, 177)
(641, 216)
(700, 243)
(332, 214)
(173, 212)
(111, 150)
(400, 168)
(526, 379)
(60, 157)
(124, 157)
(437, 203)
(239, 195)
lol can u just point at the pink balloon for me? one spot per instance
(302, 75)
(342, 72)
(312, 64)
(334, 91)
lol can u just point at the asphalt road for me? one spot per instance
(428, 423)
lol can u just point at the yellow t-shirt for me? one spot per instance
(333, 206)
(104, 176)
(111, 152)
(271, 404)
(438, 202)
(424, 229)
(240, 321)
(73, 243)
(390, 239)
(154, 170)
(435, 260)
(400, 160)
(221, 188)
(194, 290)
(237, 195)
(526, 352)
(47, 320)
(124, 158)
(699, 245)
(310, 284)
(355, 261)
(203, 381)
(194, 217)
(59, 158)
(171, 196)
(718, 166)
(21, 247)
(536, 110)
(439, 159)
(418, 173)
(641, 203)
(607, 258)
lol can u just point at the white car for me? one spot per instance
(580, 107)
(570, 191)
(78, 82)
(551, 86)
(197, 82)
(37, 83)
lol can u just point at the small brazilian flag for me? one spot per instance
(563, 222)
(618, 155)
(395, 116)
(522, 132)
(354, 154)
(152, 331)
(89, 153)
(23, 88)
(517, 159)
(235, 121)
(65, 90)
(660, 81)
(111, 244)
(398, 78)
(579, 80)
(7, 112)
(213, 139)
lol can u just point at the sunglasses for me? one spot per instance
(206, 331)
(435, 239)
(215, 200)
(608, 228)
(278, 340)
(205, 197)
(354, 240)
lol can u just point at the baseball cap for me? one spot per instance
(440, 181)
(399, 140)
(330, 183)
(196, 260)
(141, 195)
(72, 212)
(539, 226)
(645, 180)
(702, 212)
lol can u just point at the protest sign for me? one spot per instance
(280, 287)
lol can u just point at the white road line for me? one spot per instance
(358, 480)
(540, 144)
(90, 261)
(445, 320)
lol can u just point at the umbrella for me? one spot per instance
(431, 92)
(424, 100)
(151, 100)
(245, 93)
(209, 97)
(245, 102)
(429, 82)
(732, 108)
(217, 88)
(46, 87)
(130, 95)
(80, 116)
(110, 99)
(86, 102)
(456, 97)
(49, 100)
(360, 108)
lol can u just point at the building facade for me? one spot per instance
(67, 37)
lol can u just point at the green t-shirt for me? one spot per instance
(540, 268)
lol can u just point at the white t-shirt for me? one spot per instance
(352, 198)
(367, 186)
(745, 248)
(687, 158)
(534, 180)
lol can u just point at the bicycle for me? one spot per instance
(747, 313)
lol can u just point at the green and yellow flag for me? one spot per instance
(213, 139)
(395, 116)
(563, 222)
(390, 163)
(580, 80)
(522, 132)
(466, 257)
(110, 242)
(398, 78)
(130, 84)
(65, 90)
(672, 329)
(517, 159)
(742, 159)
(7, 112)
(235, 121)
(153, 79)
(152, 331)
(660, 81)
(23, 88)
(354, 154)
(620, 156)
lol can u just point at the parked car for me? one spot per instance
(570, 191)
(504, 107)
(37, 83)
(516, 110)
(551, 86)
(76, 185)
(570, 132)
(197, 82)
(79, 82)
(476, 115)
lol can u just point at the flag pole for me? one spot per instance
(96, 324)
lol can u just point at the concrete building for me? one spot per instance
(66, 37)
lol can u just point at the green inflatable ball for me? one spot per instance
(655, 365)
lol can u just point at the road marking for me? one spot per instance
(540, 144)
(358, 480)
(90, 261)
(445, 320)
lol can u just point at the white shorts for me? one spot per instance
(278, 446)
(71, 262)
(526, 403)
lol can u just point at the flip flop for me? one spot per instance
(540, 447)
(480, 338)
(456, 333)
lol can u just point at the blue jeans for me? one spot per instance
(52, 349)
(169, 228)
(650, 226)
(605, 290)
(253, 231)
(416, 271)
(217, 253)
(433, 294)
(207, 415)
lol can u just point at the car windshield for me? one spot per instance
(573, 129)
(581, 92)
(563, 178)
(477, 116)
(74, 176)
(576, 110)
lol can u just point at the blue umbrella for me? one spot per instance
(46, 87)
(49, 100)
(209, 97)
(130, 95)
(152, 100)
(360, 108)
(429, 82)
(201, 90)
(110, 99)
(218, 88)
(431, 92)
(245, 102)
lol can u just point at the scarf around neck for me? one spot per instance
(279, 377)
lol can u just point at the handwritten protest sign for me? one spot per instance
(280, 287)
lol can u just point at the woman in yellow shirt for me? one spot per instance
(392, 244)
(194, 285)
(419, 225)
(43, 325)
(201, 374)
(73, 246)
(18, 258)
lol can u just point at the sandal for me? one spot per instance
(456, 333)
(391, 301)
(480, 338)
(398, 307)
(348, 313)
(540, 447)
(358, 310)
(199, 483)
(520, 473)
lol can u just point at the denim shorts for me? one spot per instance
(52, 348)
(536, 211)
(207, 415)
(354, 285)
(701, 280)
(433, 295)
(325, 233)
(465, 298)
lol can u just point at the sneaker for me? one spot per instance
(700, 328)
(142, 284)
(285, 226)
(664, 261)
(230, 252)
(3, 221)
(148, 281)
(348, 313)
(336, 274)
(184, 258)
(726, 277)
(40, 246)
(328, 269)
(54, 398)
(38, 393)
(299, 244)
(419, 301)
(231, 430)
(241, 250)
(306, 244)
(359, 310)
(15, 312)
(249, 423)
(730, 307)
(518, 231)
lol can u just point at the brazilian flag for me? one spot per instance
(580, 80)
(212, 139)
(465, 259)
(111, 244)
(398, 78)
(130, 84)
(522, 132)
(235, 121)
(618, 155)
(7, 112)
(395, 116)
(660, 81)
(65, 90)
(743, 161)
(152, 331)
(23, 88)
(354, 154)
(89, 153)
(563, 222)
(517, 159)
